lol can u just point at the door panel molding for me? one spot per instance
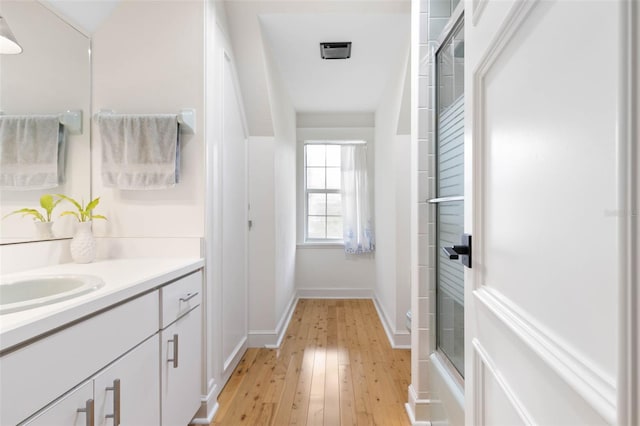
(517, 365)
(483, 362)
(515, 17)
(576, 370)
(478, 7)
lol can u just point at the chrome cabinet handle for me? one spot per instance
(116, 402)
(188, 297)
(175, 351)
(89, 411)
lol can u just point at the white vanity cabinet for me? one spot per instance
(181, 338)
(126, 393)
(39, 373)
(65, 411)
(136, 362)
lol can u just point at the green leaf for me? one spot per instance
(29, 212)
(69, 213)
(84, 213)
(98, 216)
(71, 200)
(46, 201)
(92, 205)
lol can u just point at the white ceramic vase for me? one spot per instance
(43, 230)
(83, 244)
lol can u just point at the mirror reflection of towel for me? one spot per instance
(139, 151)
(32, 151)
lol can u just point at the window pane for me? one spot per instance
(333, 155)
(316, 226)
(315, 178)
(317, 204)
(334, 227)
(333, 178)
(315, 155)
(334, 204)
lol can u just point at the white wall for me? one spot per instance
(325, 271)
(392, 206)
(329, 272)
(284, 120)
(272, 162)
(262, 266)
(147, 66)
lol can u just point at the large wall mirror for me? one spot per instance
(52, 75)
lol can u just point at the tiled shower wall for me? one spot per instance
(433, 17)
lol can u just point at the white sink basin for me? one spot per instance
(31, 292)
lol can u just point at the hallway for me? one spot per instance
(334, 367)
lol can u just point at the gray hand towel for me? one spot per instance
(32, 151)
(139, 151)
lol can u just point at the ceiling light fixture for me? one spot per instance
(335, 50)
(8, 42)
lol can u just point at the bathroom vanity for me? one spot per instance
(128, 353)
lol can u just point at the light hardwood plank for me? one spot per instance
(335, 367)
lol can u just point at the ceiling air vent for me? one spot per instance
(339, 50)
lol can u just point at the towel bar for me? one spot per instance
(186, 118)
(71, 119)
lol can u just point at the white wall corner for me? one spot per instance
(417, 409)
(271, 339)
(399, 339)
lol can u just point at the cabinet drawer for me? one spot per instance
(180, 297)
(69, 356)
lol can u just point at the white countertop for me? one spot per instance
(123, 278)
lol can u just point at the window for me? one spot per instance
(323, 202)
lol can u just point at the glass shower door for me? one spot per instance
(449, 201)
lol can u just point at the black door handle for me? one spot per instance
(455, 251)
(462, 251)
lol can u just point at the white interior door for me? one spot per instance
(543, 198)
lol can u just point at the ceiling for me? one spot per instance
(290, 32)
(380, 43)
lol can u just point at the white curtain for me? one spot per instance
(356, 207)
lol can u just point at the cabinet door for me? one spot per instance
(64, 412)
(181, 366)
(135, 378)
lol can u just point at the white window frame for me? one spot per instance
(307, 191)
(329, 242)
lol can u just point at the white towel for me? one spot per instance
(140, 151)
(32, 151)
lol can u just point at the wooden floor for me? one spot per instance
(334, 367)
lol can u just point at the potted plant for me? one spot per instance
(83, 244)
(42, 219)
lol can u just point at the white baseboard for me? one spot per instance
(232, 361)
(335, 293)
(398, 339)
(417, 409)
(271, 339)
(208, 406)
